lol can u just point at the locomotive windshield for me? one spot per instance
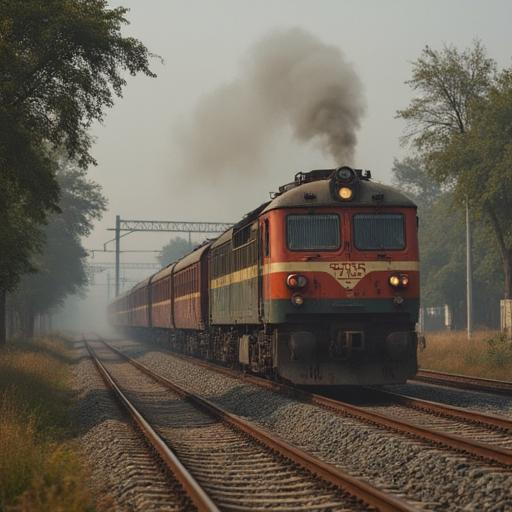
(379, 232)
(313, 232)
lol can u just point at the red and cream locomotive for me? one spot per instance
(319, 286)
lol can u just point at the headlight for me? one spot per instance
(297, 299)
(345, 193)
(296, 281)
(345, 174)
(399, 280)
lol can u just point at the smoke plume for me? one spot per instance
(290, 78)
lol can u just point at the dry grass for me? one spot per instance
(40, 468)
(486, 355)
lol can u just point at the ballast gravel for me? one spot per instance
(487, 403)
(435, 478)
(123, 473)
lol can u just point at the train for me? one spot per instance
(319, 286)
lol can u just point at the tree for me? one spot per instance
(447, 82)
(442, 242)
(60, 266)
(20, 235)
(62, 62)
(481, 161)
(410, 175)
(461, 123)
(174, 250)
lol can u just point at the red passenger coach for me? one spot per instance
(161, 294)
(119, 311)
(190, 283)
(139, 305)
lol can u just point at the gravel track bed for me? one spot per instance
(237, 473)
(474, 400)
(436, 478)
(123, 472)
(459, 427)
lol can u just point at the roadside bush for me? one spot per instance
(40, 466)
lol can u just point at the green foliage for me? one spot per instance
(410, 175)
(62, 62)
(19, 234)
(461, 123)
(482, 160)
(60, 265)
(40, 466)
(442, 238)
(447, 82)
(499, 352)
(174, 250)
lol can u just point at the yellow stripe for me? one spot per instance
(189, 296)
(330, 266)
(349, 272)
(138, 308)
(161, 303)
(235, 277)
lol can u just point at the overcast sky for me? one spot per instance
(203, 43)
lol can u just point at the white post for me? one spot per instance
(469, 282)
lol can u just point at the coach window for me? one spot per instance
(313, 232)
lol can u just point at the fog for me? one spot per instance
(227, 121)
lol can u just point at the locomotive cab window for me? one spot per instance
(317, 232)
(379, 231)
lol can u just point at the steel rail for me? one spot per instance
(451, 411)
(195, 492)
(501, 387)
(329, 473)
(496, 454)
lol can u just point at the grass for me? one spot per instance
(488, 354)
(40, 466)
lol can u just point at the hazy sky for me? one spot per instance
(203, 43)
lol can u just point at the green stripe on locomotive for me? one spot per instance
(280, 311)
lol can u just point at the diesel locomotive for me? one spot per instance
(318, 286)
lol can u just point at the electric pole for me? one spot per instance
(469, 272)
(118, 243)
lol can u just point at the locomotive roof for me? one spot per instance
(192, 258)
(225, 237)
(318, 193)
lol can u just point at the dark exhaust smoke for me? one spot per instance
(290, 79)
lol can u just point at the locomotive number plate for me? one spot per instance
(348, 273)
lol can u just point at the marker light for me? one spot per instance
(394, 281)
(296, 281)
(297, 299)
(345, 193)
(399, 280)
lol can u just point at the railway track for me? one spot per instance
(485, 429)
(223, 461)
(500, 387)
(482, 436)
